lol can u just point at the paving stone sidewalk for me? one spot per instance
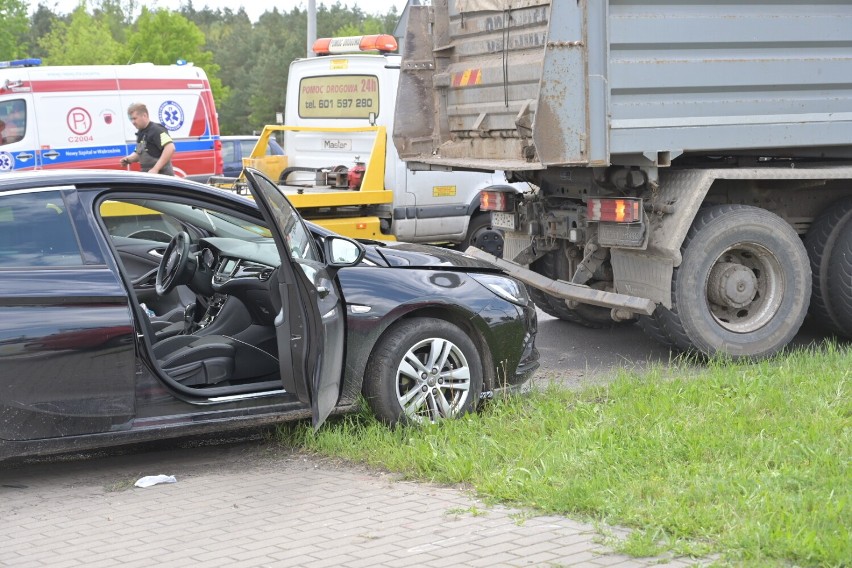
(247, 505)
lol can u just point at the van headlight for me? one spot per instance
(507, 288)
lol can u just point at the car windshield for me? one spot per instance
(140, 214)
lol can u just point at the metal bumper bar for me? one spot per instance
(567, 290)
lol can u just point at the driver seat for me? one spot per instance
(169, 324)
(204, 360)
(197, 360)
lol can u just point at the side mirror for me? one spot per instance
(342, 251)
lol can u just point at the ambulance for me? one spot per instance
(340, 170)
(76, 116)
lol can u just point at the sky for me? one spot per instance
(254, 8)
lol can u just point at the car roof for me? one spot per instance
(54, 178)
(48, 178)
(239, 137)
(80, 178)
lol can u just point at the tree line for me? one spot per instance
(247, 62)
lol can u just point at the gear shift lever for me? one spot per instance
(189, 319)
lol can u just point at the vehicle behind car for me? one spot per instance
(339, 168)
(75, 116)
(236, 148)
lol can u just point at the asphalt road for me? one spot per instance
(574, 355)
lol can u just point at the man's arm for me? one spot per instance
(129, 159)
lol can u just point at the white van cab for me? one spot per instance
(332, 101)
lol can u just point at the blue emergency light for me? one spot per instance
(29, 62)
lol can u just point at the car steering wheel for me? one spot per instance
(173, 264)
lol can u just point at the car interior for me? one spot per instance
(206, 287)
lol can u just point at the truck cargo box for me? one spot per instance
(528, 84)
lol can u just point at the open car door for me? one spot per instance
(310, 325)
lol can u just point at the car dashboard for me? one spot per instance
(241, 269)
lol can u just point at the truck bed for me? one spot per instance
(623, 82)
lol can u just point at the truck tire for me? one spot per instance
(820, 242)
(655, 329)
(543, 302)
(840, 280)
(743, 287)
(552, 265)
(482, 235)
(401, 385)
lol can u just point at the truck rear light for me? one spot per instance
(615, 210)
(496, 201)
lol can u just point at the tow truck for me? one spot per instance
(339, 168)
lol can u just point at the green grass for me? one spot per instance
(748, 461)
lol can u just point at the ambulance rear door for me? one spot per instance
(19, 143)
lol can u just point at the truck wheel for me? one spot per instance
(655, 329)
(423, 370)
(543, 302)
(482, 235)
(743, 286)
(840, 281)
(554, 265)
(820, 242)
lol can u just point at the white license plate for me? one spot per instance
(503, 220)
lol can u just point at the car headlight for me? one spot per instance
(507, 288)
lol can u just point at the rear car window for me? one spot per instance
(339, 96)
(228, 147)
(36, 230)
(246, 146)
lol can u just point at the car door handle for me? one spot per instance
(51, 154)
(23, 156)
(145, 279)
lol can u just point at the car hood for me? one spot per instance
(409, 255)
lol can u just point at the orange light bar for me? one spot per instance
(615, 210)
(321, 46)
(380, 42)
(495, 201)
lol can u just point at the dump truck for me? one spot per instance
(340, 169)
(689, 162)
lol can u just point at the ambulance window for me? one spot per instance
(36, 230)
(339, 96)
(13, 121)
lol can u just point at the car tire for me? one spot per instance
(399, 384)
(482, 235)
(743, 287)
(840, 281)
(820, 242)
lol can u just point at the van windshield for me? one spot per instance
(339, 96)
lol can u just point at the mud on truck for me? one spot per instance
(690, 163)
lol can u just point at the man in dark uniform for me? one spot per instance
(154, 146)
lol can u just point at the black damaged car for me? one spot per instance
(135, 307)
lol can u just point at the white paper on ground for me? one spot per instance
(150, 480)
